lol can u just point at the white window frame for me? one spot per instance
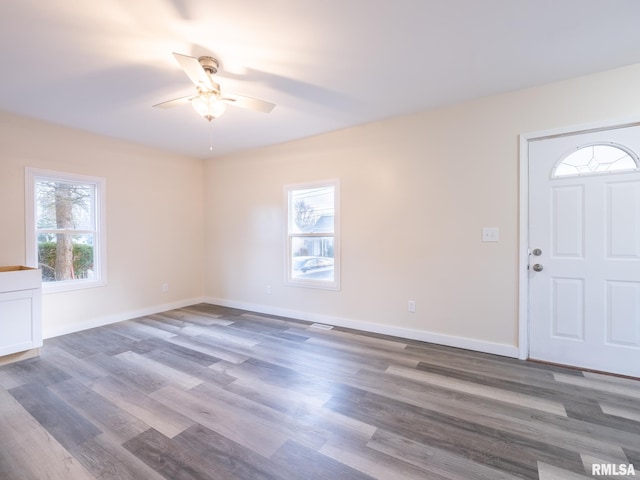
(33, 175)
(298, 282)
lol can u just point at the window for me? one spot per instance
(65, 229)
(595, 159)
(313, 243)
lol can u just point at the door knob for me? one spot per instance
(537, 267)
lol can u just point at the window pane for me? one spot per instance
(311, 210)
(65, 256)
(312, 258)
(66, 206)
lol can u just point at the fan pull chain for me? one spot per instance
(210, 137)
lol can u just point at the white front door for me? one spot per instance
(584, 243)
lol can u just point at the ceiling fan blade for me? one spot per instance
(194, 71)
(176, 102)
(248, 102)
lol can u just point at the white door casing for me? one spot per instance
(584, 305)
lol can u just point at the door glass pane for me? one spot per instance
(595, 159)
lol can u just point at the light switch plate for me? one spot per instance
(490, 234)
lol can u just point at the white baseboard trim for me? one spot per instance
(422, 335)
(118, 317)
(401, 332)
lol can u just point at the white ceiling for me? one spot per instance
(328, 64)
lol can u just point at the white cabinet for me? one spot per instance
(20, 309)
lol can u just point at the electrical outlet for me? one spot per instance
(268, 289)
(411, 306)
(165, 287)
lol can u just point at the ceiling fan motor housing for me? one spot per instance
(209, 64)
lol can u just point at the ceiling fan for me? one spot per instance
(209, 101)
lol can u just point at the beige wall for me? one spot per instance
(154, 220)
(416, 192)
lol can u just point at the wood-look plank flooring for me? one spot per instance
(207, 392)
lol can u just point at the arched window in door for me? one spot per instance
(596, 159)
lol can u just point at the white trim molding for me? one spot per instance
(118, 317)
(402, 332)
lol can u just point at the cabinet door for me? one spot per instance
(16, 321)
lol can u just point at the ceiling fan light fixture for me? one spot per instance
(208, 106)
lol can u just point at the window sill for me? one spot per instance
(58, 287)
(311, 284)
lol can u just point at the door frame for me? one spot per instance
(523, 249)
